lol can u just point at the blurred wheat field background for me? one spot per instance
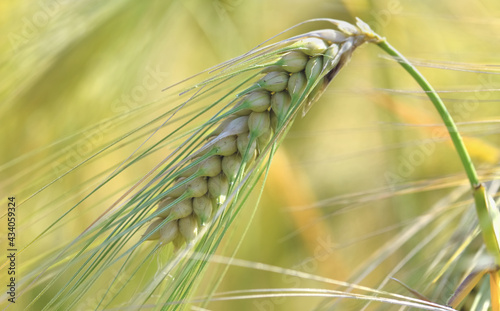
(366, 187)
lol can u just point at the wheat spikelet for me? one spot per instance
(299, 76)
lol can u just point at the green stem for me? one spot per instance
(485, 212)
(441, 108)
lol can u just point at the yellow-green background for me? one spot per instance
(65, 64)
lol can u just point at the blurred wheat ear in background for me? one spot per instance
(365, 205)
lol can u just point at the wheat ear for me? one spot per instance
(296, 79)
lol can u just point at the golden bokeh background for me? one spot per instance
(369, 159)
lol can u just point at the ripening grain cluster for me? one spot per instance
(304, 67)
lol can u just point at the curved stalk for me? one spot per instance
(486, 212)
(440, 107)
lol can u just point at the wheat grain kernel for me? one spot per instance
(264, 139)
(258, 123)
(163, 204)
(293, 61)
(314, 67)
(165, 201)
(153, 226)
(242, 112)
(181, 209)
(168, 232)
(236, 126)
(231, 165)
(188, 227)
(222, 126)
(273, 68)
(225, 146)
(257, 101)
(243, 144)
(186, 172)
(202, 207)
(178, 188)
(331, 35)
(297, 83)
(280, 104)
(274, 120)
(218, 186)
(312, 46)
(196, 187)
(274, 81)
(210, 167)
(330, 54)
